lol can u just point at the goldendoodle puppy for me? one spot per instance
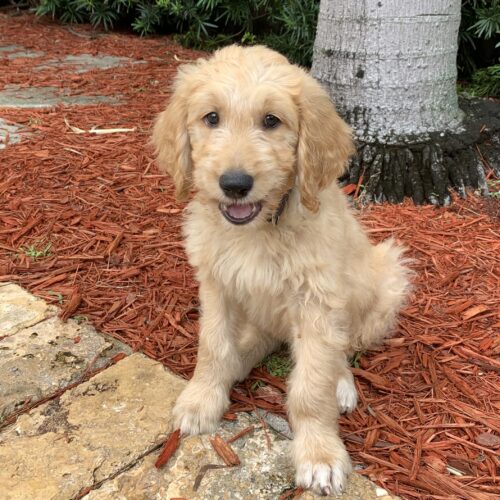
(278, 254)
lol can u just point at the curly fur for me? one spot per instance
(313, 280)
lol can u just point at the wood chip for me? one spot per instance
(488, 440)
(240, 434)
(201, 473)
(71, 307)
(377, 381)
(474, 311)
(169, 448)
(225, 451)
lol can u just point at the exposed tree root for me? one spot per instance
(425, 169)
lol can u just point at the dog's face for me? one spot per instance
(246, 126)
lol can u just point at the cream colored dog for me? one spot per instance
(278, 254)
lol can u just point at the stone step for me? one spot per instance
(101, 438)
(39, 354)
(19, 309)
(36, 97)
(196, 472)
(90, 433)
(10, 133)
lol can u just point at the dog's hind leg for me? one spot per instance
(392, 286)
(347, 395)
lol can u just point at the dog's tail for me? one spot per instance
(392, 277)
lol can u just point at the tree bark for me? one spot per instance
(390, 67)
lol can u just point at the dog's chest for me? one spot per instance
(260, 287)
(253, 270)
(249, 267)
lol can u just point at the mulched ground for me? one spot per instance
(107, 227)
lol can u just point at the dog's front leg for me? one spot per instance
(202, 403)
(321, 460)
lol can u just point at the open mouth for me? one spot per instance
(240, 213)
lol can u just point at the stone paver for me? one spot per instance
(87, 62)
(103, 435)
(10, 133)
(16, 52)
(15, 96)
(90, 433)
(39, 361)
(19, 309)
(264, 473)
(9, 48)
(79, 63)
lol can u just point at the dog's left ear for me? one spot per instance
(324, 145)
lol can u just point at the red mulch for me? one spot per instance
(427, 423)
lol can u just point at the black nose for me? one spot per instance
(235, 184)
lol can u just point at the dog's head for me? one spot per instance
(246, 126)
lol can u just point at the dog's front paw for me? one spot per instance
(324, 479)
(323, 466)
(347, 396)
(198, 410)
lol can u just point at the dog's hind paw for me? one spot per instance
(347, 396)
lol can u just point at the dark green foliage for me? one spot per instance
(288, 26)
(278, 363)
(295, 38)
(96, 12)
(479, 46)
(487, 23)
(485, 82)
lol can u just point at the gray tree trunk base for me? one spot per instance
(426, 168)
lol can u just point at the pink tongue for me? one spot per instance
(240, 211)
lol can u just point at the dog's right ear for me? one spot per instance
(171, 140)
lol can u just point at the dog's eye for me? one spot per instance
(271, 121)
(212, 119)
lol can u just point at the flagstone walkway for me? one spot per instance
(83, 416)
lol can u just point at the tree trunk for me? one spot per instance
(390, 67)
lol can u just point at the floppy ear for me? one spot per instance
(324, 144)
(171, 141)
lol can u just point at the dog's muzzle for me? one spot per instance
(240, 213)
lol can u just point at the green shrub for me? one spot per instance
(287, 26)
(479, 38)
(486, 82)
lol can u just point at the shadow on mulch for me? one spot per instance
(87, 223)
